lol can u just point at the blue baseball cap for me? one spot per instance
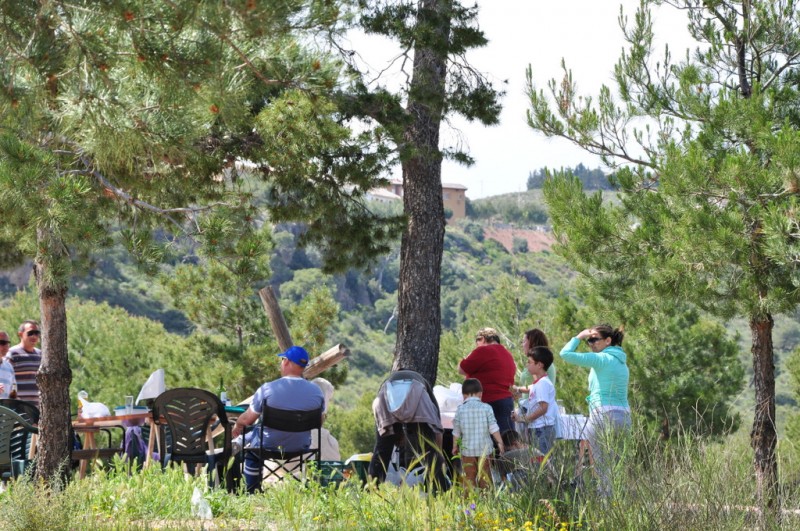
(296, 355)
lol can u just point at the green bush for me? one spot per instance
(354, 428)
(112, 353)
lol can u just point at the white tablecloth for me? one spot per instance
(447, 419)
(572, 427)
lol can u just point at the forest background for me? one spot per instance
(690, 372)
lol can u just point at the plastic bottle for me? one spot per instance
(200, 507)
(13, 393)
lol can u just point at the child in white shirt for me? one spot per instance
(543, 412)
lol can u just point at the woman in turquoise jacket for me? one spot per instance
(609, 413)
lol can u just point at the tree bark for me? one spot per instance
(325, 361)
(763, 436)
(275, 316)
(55, 375)
(419, 313)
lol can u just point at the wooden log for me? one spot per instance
(324, 361)
(275, 316)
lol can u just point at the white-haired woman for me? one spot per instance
(329, 451)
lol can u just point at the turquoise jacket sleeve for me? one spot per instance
(595, 360)
(608, 377)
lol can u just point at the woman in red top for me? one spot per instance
(493, 365)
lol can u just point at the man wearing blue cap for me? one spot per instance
(291, 392)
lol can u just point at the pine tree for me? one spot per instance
(132, 114)
(709, 191)
(434, 36)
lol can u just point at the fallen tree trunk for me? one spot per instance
(326, 360)
(275, 316)
(315, 366)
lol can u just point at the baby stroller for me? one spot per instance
(409, 428)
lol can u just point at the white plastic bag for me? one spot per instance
(393, 474)
(94, 409)
(90, 410)
(398, 475)
(200, 507)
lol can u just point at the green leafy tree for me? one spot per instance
(519, 245)
(219, 293)
(595, 179)
(112, 353)
(128, 114)
(709, 193)
(310, 322)
(353, 427)
(793, 423)
(685, 373)
(521, 209)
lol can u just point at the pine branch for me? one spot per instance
(128, 198)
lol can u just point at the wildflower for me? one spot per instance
(509, 519)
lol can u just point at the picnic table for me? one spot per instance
(90, 426)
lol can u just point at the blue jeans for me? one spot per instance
(544, 438)
(502, 413)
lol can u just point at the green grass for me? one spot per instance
(686, 484)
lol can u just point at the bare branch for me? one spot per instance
(128, 198)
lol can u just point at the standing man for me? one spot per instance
(7, 378)
(26, 358)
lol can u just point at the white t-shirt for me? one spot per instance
(543, 390)
(7, 377)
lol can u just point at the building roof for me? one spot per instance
(383, 193)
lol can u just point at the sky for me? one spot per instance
(585, 33)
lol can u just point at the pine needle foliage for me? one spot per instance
(706, 151)
(134, 114)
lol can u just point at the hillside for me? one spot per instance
(537, 240)
(497, 271)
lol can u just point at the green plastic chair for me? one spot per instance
(183, 417)
(15, 434)
(21, 442)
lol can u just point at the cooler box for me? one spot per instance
(331, 472)
(359, 465)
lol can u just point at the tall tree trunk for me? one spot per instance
(53, 448)
(419, 314)
(763, 437)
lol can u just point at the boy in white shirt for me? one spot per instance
(543, 412)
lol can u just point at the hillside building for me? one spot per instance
(454, 197)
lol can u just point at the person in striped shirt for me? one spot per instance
(26, 358)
